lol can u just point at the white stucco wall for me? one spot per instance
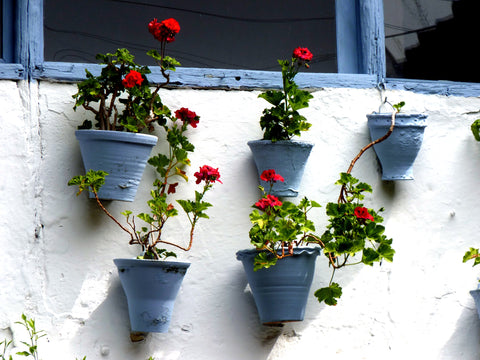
(57, 249)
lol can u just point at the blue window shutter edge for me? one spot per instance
(347, 29)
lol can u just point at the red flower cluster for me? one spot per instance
(133, 78)
(270, 175)
(165, 30)
(207, 173)
(269, 202)
(187, 116)
(302, 54)
(362, 213)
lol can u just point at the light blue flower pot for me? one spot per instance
(287, 158)
(122, 155)
(476, 296)
(281, 291)
(398, 152)
(151, 288)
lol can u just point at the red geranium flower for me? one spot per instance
(165, 30)
(302, 54)
(270, 175)
(133, 78)
(208, 174)
(172, 188)
(268, 202)
(362, 213)
(187, 116)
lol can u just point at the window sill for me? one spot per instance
(12, 71)
(213, 78)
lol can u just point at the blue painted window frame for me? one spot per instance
(10, 67)
(360, 53)
(357, 69)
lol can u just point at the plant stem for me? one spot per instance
(341, 198)
(111, 216)
(331, 278)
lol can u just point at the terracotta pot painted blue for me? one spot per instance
(287, 158)
(122, 155)
(398, 152)
(281, 291)
(151, 288)
(476, 296)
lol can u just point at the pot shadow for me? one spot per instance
(106, 331)
(463, 343)
(387, 191)
(272, 339)
(265, 335)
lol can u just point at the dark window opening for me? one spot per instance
(432, 40)
(2, 32)
(245, 34)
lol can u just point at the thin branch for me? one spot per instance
(365, 148)
(343, 190)
(111, 216)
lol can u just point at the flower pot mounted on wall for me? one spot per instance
(281, 291)
(122, 155)
(286, 157)
(476, 296)
(398, 152)
(151, 287)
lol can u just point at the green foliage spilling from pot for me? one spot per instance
(169, 166)
(120, 97)
(283, 121)
(151, 311)
(121, 73)
(354, 233)
(279, 227)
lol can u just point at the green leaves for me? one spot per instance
(399, 106)
(161, 253)
(102, 95)
(31, 346)
(282, 121)
(196, 207)
(5, 344)
(166, 62)
(279, 228)
(352, 230)
(91, 181)
(475, 127)
(385, 250)
(160, 162)
(34, 335)
(263, 260)
(329, 294)
(274, 97)
(472, 254)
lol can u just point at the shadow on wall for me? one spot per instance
(459, 346)
(265, 335)
(111, 318)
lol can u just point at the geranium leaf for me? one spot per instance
(329, 294)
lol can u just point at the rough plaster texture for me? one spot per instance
(57, 249)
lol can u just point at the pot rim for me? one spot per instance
(401, 120)
(241, 254)
(282, 142)
(150, 263)
(94, 134)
